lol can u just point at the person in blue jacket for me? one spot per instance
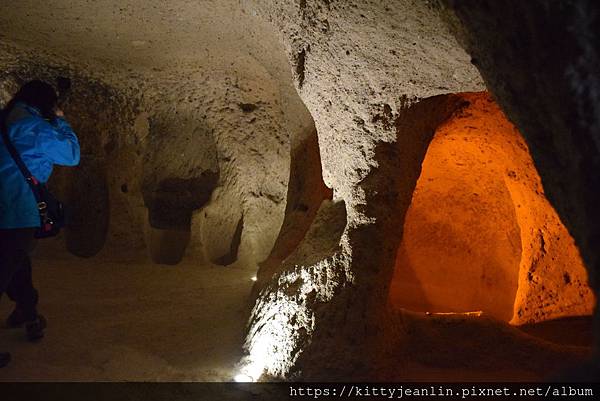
(37, 128)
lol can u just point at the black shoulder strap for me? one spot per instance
(15, 155)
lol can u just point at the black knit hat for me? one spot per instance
(40, 95)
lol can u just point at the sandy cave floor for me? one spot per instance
(111, 322)
(124, 321)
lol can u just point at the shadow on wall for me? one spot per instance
(170, 206)
(306, 192)
(234, 246)
(180, 173)
(221, 226)
(479, 233)
(86, 196)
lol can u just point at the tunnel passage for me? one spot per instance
(479, 234)
(179, 175)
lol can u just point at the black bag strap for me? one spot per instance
(31, 180)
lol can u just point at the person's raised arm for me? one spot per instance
(58, 141)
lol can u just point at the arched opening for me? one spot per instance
(480, 235)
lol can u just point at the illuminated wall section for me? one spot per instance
(480, 234)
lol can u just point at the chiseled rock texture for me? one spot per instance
(369, 73)
(540, 60)
(184, 155)
(480, 235)
(290, 134)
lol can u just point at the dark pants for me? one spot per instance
(15, 269)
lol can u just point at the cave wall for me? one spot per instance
(480, 234)
(363, 70)
(104, 120)
(540, 61)
(407, 50)
(306, 192)
(360, 67)
(461, 245)
(211, 118)
(176, 165)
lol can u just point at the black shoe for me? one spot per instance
(16, 319)
(35, 328)
(4, 359)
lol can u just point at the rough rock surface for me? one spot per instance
(540, 60)
(198, 117)
(306, 192)
(480, 234)
(392, 56)
(167, 128)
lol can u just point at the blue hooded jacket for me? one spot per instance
(41, 145)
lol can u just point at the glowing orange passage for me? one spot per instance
(471, 234)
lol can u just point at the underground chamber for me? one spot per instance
(317, 189)
(480, 236)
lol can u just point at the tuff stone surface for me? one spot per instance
(173, 129)
(292, 132)
(540, 60)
